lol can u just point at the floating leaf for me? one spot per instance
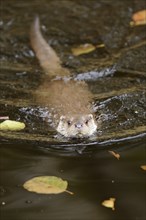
(46, 185)
(143, 167)
(138, 18)
(9, 125)
(114, 154)
(110, 203)
(83, 49)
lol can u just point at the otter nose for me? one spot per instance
(78, 125)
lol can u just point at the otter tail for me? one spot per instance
(47, 57)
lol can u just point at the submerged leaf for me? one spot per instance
(46, 185)
(9, 125)
(114, 154)
(143, 167)
(109, 203)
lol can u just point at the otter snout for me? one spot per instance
(78, 125)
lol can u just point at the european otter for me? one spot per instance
(69, 100)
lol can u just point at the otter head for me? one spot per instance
(77, 126)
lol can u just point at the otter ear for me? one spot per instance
(90, 116)
(62, 118)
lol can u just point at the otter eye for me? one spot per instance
(86, 122)
(69, 122)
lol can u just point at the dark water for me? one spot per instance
(93, 177)
(116, 76)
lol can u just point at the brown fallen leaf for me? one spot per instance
(143, 167)
(47, 185)
(110, 203)
(114, 154)
(138, 18)
(140, 15)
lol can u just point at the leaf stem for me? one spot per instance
(71, 193)
(4, 117)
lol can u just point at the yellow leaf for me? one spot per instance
(9, 125)
(46, 185)
(114, 154)
(143, 167)
(109, 203)
(83, 49)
